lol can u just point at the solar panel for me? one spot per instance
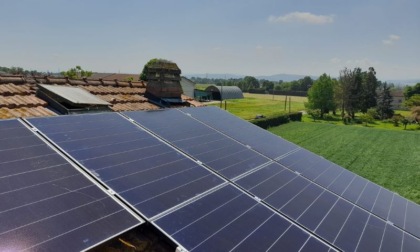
(357, 190)
(246, 133)
(229, 220)
(148, 174)
(46, 203)
(221, 153)
(331, 217)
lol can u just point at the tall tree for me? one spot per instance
(368, 95)
(384, 106)
(350, 84)
(321, 95)
(410, 91)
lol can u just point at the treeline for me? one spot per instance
(355, 91)
(21, 71)
(251, 84)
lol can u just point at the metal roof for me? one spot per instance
(227, 92)
(74, 95)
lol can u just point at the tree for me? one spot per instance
(314, 113)
(251, 82)
(76, 73)
(413, 101)
(351, 83)
(321, 95)
(367, 97)
(384, 102)
(410, 91)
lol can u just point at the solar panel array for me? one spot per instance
(46, 203)
(211, 181)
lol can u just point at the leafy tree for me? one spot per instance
(351, 83)
(413, 101)
(251, 82)
(368, 89)
(76, 73)
(384, 106)
(305, 83)
(405, 121)
(410, 91)
(267, 85)
(321, 95)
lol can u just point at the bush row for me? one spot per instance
(274, 121)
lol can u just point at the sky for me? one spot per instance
(245, 37)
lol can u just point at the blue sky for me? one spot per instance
(259, 37)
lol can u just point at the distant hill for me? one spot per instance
(276, 77)
(404, 82)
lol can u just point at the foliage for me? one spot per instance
(144, 72)
(410, 91)
(314, 113)
(367, 96)
(321, 95)
(384, 106)
(396, 119)
(368, 117)
(413, 101)
(387, 157)
(351, 84)
(405, 121)
(76, 73)
(21, 71)
(274, 121)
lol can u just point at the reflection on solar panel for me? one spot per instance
(246, 133)
(148, 167)
(229, 220)
(46, 203)
(145, 172)
(332, 218)
(217, 151)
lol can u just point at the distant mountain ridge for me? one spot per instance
(289, 77)
(275, 77)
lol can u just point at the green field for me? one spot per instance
(387, 157)
(260, 104)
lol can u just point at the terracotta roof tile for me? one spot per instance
(6, 113)
(122, 98)
(134, 106)
(18, 98)
(12, 89)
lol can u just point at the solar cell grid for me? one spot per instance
(145, 172)
(47, 204)
(222, 154)
(246, 133)
(229, 220)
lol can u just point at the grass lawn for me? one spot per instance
(387, 157)
(254, 104)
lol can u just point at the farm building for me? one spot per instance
(225, 92)
(188, 86)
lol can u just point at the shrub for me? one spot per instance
(268, 122)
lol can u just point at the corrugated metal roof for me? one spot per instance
(227, 92)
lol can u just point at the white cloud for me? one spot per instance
(302, 17)
(391, 39)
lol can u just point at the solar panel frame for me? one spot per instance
(33, 216)
(344, 183)
(127, 164)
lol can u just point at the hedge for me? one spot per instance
(268, 122)
(291, 93)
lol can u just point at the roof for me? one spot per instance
(228, 92)
(18, 95)
(115, 76)
(74, 95)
